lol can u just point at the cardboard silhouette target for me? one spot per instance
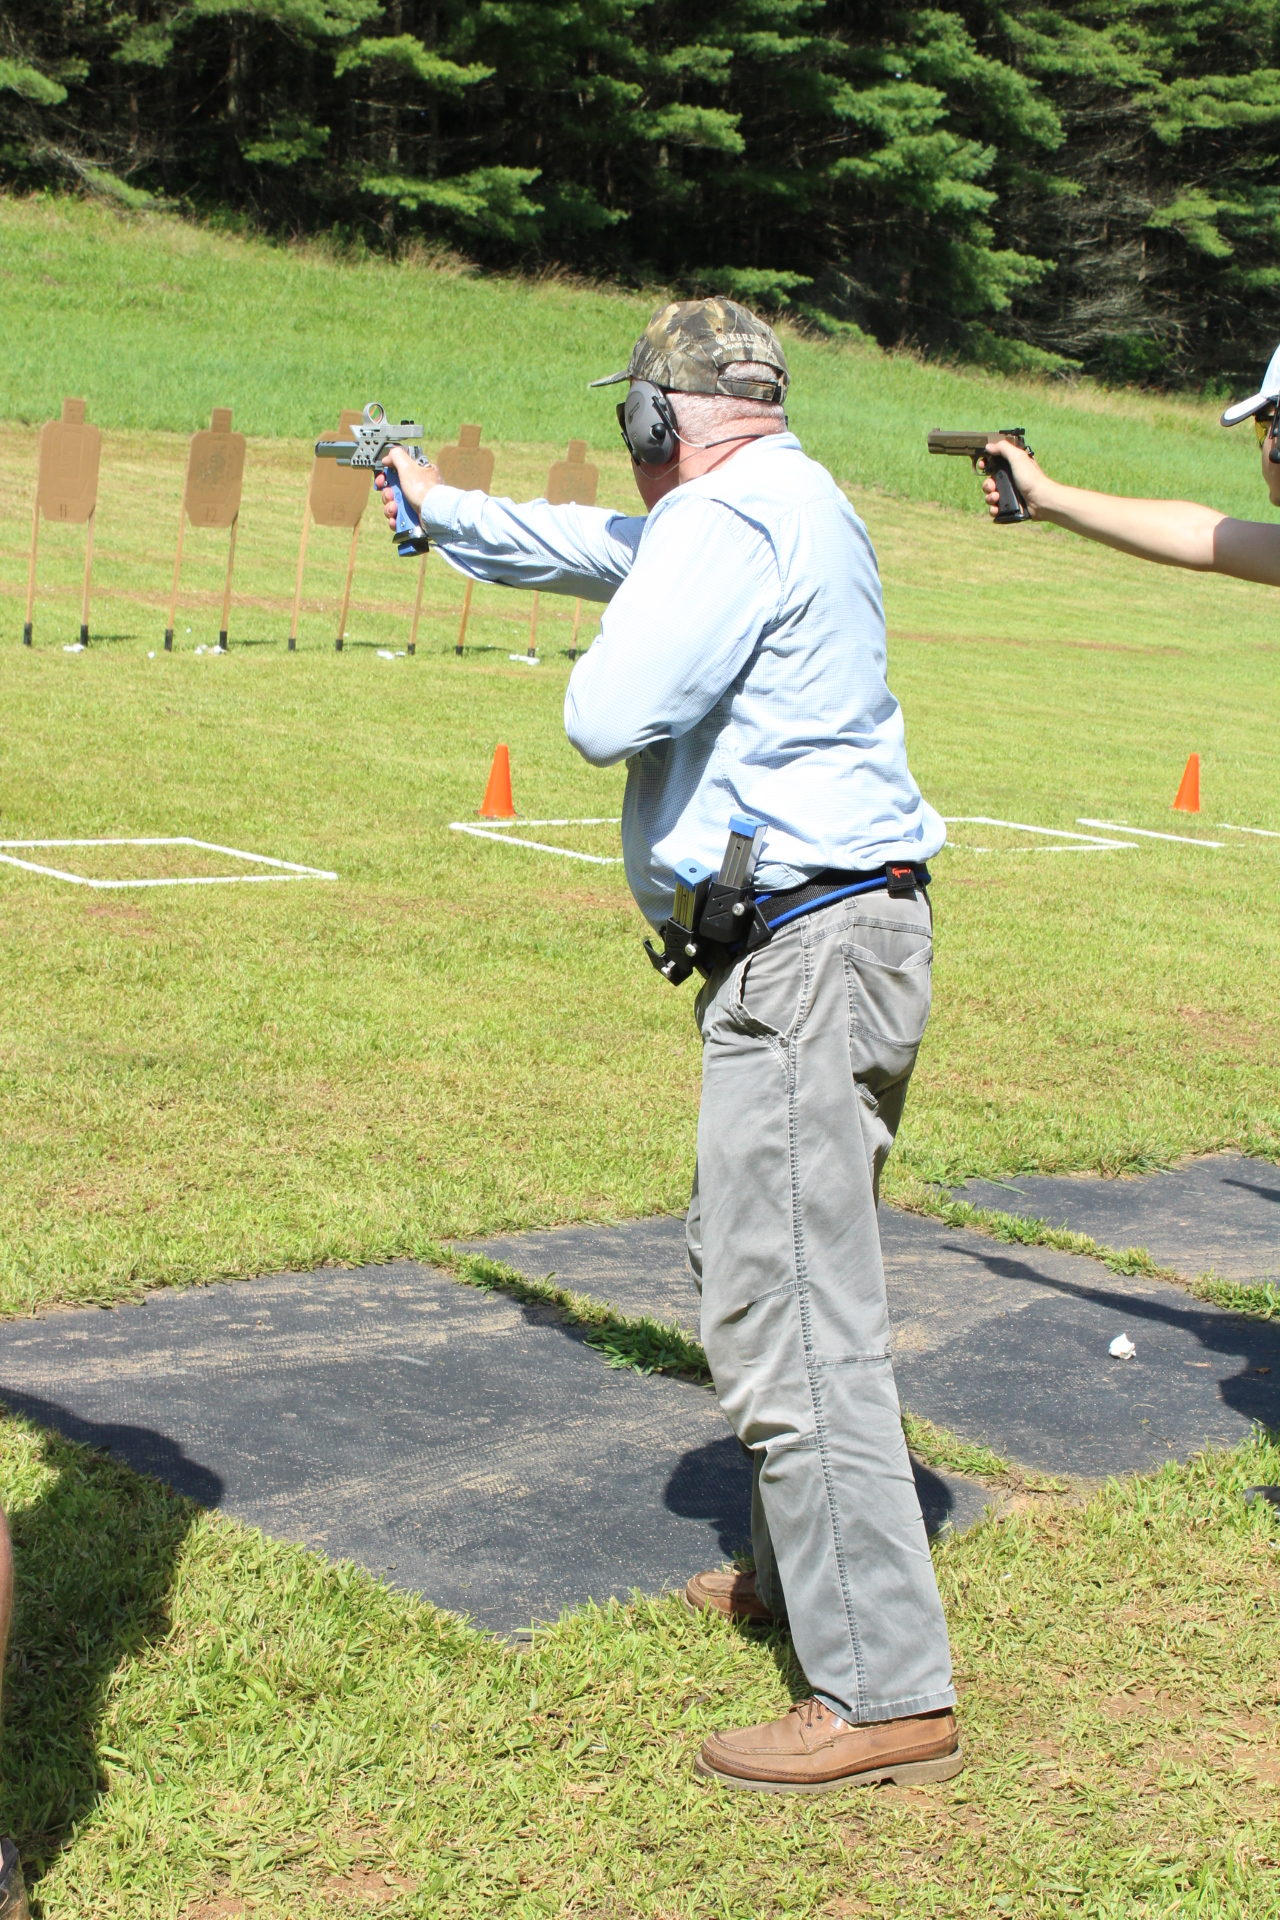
(68, 454)
(572, 481)
(467, 465)
(336, 497)
(215, 473)
(210, 498)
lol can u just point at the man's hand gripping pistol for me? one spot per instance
(372, 439)
(1012, 505)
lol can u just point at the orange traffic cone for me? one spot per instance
(1188, 795)
(498, 803)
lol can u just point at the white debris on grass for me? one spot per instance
(1122, 1347)
(77, 646)
(526, 659)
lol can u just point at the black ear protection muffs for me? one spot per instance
(648, 424)
(649, 430)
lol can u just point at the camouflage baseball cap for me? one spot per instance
(688, 344)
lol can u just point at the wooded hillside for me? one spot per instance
(1094, 184)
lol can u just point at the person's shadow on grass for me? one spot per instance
(94, 1559)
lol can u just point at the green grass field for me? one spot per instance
(205, 1725)
(457, 1036)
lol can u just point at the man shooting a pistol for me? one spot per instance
(740, 673)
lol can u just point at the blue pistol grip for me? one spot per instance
(410, 539)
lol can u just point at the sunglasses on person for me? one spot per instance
(1264, 425)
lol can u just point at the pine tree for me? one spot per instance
(1090, 184)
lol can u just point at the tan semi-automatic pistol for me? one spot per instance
(1012, 505)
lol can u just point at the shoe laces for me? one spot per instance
(816, 1716)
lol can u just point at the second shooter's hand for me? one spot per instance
(415, 481)
(1032, 482)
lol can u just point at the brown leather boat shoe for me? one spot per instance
(812, 1750)
(731, 1593)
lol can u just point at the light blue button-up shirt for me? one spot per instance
(739, 668)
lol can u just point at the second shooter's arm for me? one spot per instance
(1173, 533)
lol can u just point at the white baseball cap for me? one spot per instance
(1268, 395)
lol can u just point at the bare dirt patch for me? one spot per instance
(121, 916)
(367, 1884)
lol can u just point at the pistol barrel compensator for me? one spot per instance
(373, 438)
(974, 445)
(714, 913)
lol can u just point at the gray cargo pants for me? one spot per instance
(808, 1045)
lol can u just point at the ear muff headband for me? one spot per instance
(648, 425)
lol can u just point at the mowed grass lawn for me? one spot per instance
(457, 1036)
(204, 1725)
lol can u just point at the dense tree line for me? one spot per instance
(1091, 184)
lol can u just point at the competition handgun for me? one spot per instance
(373, 439)
(1012, 505)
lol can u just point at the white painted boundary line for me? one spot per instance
(1266, 832)
(1149, 833)
(1088, 842)
(290, 868)
(540, 846)
(1082, 842)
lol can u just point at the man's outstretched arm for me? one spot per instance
(571, 549)
(1175, 533)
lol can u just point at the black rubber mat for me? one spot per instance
(476, 1451)
(640, 1267)
(1219, 1214)
(466, 1447)
(1008, 1345)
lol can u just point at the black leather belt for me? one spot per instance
(719, 921)
(899, 878)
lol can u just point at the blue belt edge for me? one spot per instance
(827, 900)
